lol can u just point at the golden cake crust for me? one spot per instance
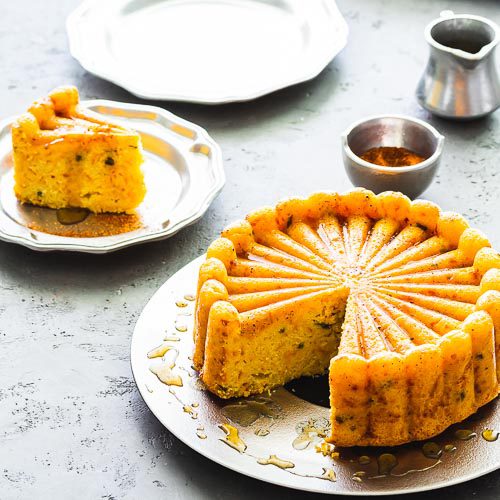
(400, 301)
(67, 156)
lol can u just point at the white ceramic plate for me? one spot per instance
(206, 51)
(284, 425)
(183, 173)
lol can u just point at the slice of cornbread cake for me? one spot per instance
(67, 156)
(398, 300)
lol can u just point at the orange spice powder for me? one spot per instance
(392, 157)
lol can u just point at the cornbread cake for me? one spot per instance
(400, 301)
(67, 156)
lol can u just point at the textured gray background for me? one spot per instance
(72, 423)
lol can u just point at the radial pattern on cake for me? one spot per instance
(399, 300)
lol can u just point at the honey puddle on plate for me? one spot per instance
(166, 375)
(432, 450)
(490, 435)
(232, 438)
(164, 370)
(278, 462)
(465, 434)
(68, 216)
(200, 432)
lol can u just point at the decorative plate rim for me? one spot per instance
(76, 48)
(207, 452)
(66, 244)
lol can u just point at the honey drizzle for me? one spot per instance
(310, 431)
(190, 411)
(181, 327)
(276, 461)
(411, 471)
(327, 475)
(465, 434)
(262, 432)
(432, 450)
(164, 371)
(160, 351)
(166, 375)
(232, 438)
(200, 432)
(386, 462)
(490, 435)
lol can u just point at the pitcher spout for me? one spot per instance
(465, 36)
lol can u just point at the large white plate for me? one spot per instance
(206, 51)
(286, 425)
(183, 173)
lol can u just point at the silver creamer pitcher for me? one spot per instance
(461, 79)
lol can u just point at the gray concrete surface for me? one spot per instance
(72, 424)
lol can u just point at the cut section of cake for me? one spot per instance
(398, 300)
(67, 156)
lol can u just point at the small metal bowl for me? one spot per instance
(395, 131)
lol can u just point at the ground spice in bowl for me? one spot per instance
(392, 157)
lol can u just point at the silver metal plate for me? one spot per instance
(206, 51)
(183, 174)
(283, 425)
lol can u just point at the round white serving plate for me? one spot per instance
(194, 416)
(206, 51)
(183, 173)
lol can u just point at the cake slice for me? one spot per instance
(67, 156)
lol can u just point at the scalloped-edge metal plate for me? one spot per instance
(206, 51)
(283, 425)
(183, 173)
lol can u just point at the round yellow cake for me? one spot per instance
(400, 301)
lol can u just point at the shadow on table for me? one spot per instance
(308, 97)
